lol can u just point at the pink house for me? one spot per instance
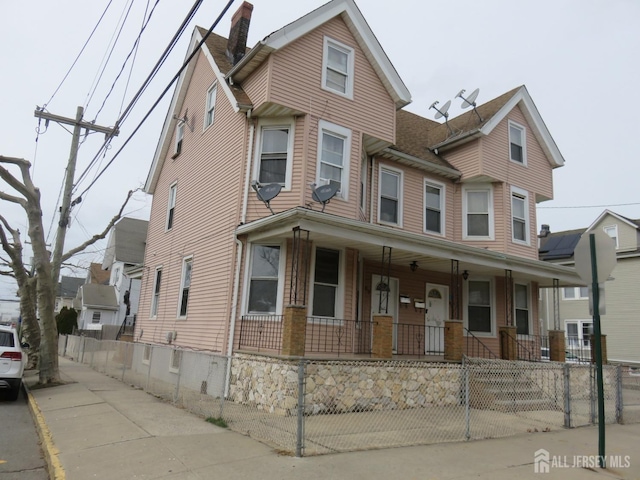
(289, 185)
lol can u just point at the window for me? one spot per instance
(179, 138)
(156, 293)
(95, 318)
(333, 156)
(211, 106)
(337, 68)
(390, 204)
(478, 214)
(176, 359)
(274, 154)
(173, 189)
(519, 216)
(263, 287)
(479, 312)
(575, 293)
(521, 294)
(187, 267)
(433, 207)
(326, 283)
(517, 143)
(579, 333)
(612, 231)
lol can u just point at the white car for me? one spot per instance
(12, 360)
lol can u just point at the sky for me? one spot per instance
(577, 58)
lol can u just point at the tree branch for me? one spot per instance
(24, 166)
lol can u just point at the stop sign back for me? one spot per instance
(605, 256)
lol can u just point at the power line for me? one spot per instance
(594, 206)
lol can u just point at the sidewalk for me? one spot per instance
(95, 427)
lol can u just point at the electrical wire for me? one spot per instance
(594, 206)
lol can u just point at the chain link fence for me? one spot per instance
(311, 407)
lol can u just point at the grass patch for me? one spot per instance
(217, 421)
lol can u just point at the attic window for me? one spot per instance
(517, 143)
(337, 68)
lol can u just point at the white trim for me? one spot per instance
(282, 266)
(344, 133)
(492, 306)
(443, 202)
(616, 236)
(272, 124)
(152, 314)
(212, 94)
(473, 189)
(188, 259)
(399, 174)
(613, 214)
(523, 131)
(171, 204)
(339, 306)
(349, 74)
(524, 196)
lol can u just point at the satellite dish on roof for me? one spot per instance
(470, 101)
(324, 193)
(266, 193)
(442, 112)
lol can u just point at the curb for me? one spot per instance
(56, 472)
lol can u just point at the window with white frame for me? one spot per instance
(521, 297)
(155, 301)
(517, 143)
(179, 138)
(209, 113)
(334, 146)
(579, 333)
(326, 283)
(337, 68)
(519, 216)
(478, 213)
(274, 155)
(390, 196)
(95, 318)
(479, 306)
(434, 202)
(176, 359)
(185, 285)
(575, 293)
(264, 278)
(171, 205)
(612, 231)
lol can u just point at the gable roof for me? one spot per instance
(632, 223)
(98, 296)
(68, 286)
(127, 241)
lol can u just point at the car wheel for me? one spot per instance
(14, 392)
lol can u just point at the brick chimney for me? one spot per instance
(237, 43)
(544, 231)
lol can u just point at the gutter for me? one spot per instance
(445, 171)
(246, 59)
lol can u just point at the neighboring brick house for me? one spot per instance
(429, 221)
(620, 322)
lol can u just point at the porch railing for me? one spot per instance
(338, 336)
(577, 349)
(533, 348)
(263, 332)
(474, 347)
(418, 340)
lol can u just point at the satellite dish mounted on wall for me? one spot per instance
(324, 193)
(470, 101)
(442, 112)
(266, 193)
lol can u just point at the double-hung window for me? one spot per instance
(209, 113)
(171, 206)
(612, 231)
(155, 302)
(264, 277)
(326, 283)
(95, 318)
(521, 294)
(579, 333)
(478, 213)
(337, 68)
(187, 268)
(433, 207)
(479, 306)
(517, 143)
(274, 154)
(179, 138)
(334, 145)
(519, 216)
(390, 199)
(575, 293)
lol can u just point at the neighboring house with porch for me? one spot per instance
(67, 291)
(429, 222)
(620, 323)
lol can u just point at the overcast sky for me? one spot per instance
(578, 59)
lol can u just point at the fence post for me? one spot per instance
(66, 341)
(619, 399)
(146, 388)
(177, 389)
(84, 339)
(467, 406)
(125, 359)
(300, 429)
(567, 396)
(93, 352)
(592, 395)
(227, 382)
(106, 362)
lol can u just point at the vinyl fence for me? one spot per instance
(311, 407)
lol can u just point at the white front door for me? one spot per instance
(392, 307)
(437, 311)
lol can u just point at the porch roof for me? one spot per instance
(431, 254)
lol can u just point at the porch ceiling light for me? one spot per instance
(465, 274)
(414, 266)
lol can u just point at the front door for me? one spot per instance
(392, 307)
(437, 311)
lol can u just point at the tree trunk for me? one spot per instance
(30, 327)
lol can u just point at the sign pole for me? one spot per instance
(598, 339)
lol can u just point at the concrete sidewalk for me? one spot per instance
(95, 427)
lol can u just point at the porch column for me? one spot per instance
(556, 346)
(453, 341)
(508, 345)
(382, 337)
(603, 342)
(294, 330)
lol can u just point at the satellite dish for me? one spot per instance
(441, 112)
(266, 193)
(324, 193)
(470, 101)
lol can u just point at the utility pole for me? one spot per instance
(78, 124)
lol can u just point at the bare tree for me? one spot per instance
(47, 268)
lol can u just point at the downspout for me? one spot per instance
(234, 311)
(247, 174)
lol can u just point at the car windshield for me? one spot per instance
(6, 339)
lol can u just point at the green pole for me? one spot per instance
(595, 290)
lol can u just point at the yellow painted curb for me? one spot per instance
(56, 472)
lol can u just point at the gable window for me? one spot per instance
(274, 154)
(479, 306)
(390, 204)
(519, 216)
(333, 156)
(179, 138)
(575, 293)
(517, 143)
(326, 283)
(337, 68)
(211, 105)
(612, 231)
(263, 286)
(187, 267)
(478, 214)
(95, 318)
(521, 294)
(173, 190)
(433, 207)
(156, 292)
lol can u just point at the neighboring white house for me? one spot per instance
(67, 291)
(97, 306)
